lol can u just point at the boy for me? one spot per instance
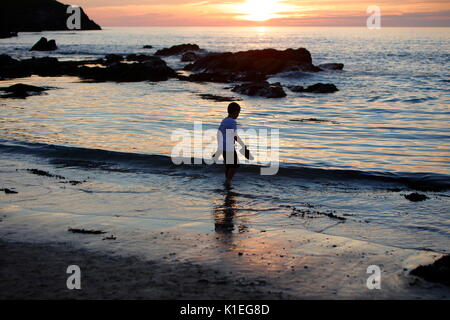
(226, 137)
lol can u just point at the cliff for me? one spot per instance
(38, 15)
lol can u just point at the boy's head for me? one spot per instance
(233, 110)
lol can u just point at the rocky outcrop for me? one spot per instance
(189, 57)
(438, 272)
(224, 77)
(44, 45)
(39, 15)
(416, 197)
(151, 69)
(331, 66)
(261, 89)
(4, 34)
(113, 58)
(316, 88)
(141, 58)
(22, 91)
(178, 49)
(267, 62)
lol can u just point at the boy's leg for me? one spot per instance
(229, 173)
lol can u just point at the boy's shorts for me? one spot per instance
(231, 164)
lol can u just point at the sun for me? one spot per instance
(260, 10)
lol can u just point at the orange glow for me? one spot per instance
(260, 10)
(267, 12)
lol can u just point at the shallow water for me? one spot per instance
(391, 113)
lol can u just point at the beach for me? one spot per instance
(88, 176)
(163, 257)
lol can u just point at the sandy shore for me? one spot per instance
(38, 271)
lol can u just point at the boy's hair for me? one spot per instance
(233, 107)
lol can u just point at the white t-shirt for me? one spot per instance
(228, 129)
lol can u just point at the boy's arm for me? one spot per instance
(246, 151)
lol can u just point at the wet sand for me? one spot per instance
(38, 271)
(318, 267)
(158, 256)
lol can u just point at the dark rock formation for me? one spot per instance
(331, 66)
(38, 15)
(83, 231)
(113, 58)
(267, 62)
(224, 77)
(178, 49)
(416, 197)
(189, 57)
(261, 89)
(316, 88)
(4, 34)
(151, 69)
(217, 98)
(44, 45)
(438, 272)
(21, 91)
(147, 47)
(8, 191)
(141, 57)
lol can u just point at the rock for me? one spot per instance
(296, 88)
(267, 62)
(224, 77)
(141, 57)
(21, 91)
(147, 47)
(416, 197)
(7, 34)
(331, 66)
(112, 58)
(8, 191)
(150, 69)
(44, 45)
(189, 57)
(178, 49)
(314, 120)
(316, 88)
(39, 15)
(217, 98)
(43, 66)
(12, 68)
(83, 231)
(43, 173)
(261, 89)
(438, 272)
(153, 69)
(6, 60)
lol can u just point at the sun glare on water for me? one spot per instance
(260, 10)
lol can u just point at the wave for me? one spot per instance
(124, 161)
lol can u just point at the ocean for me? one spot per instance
(347, 159)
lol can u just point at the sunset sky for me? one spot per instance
(395, 13)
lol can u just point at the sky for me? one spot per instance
(394, 13)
